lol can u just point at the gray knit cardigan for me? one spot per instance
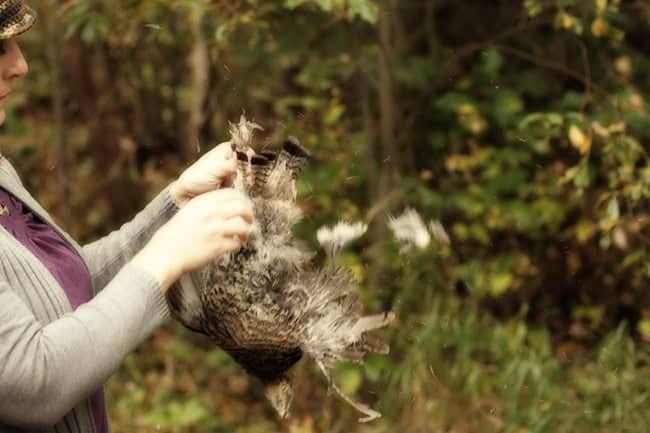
(53, 359)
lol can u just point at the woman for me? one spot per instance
(70, 314)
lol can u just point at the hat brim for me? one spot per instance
(25, 20)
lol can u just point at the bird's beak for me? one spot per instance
(280, 395)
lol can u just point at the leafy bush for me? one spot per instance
(522, 126)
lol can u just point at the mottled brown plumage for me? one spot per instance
(268, 304)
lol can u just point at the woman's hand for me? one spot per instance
(214, 170)
(208, 226)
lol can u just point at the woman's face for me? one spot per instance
(12, 67)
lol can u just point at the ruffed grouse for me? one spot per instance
(268, 304)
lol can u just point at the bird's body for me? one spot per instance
(268, 305)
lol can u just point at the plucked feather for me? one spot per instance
(409, 229)
(241, 134)
(438, 232)
(334, 239)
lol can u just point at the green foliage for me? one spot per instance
(451, 367)
(364, 9)
(522, 126)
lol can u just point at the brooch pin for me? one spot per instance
(4, 210)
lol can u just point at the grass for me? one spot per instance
(452, 369)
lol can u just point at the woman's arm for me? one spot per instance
(106, 256)
(214, 170)
(46, 370)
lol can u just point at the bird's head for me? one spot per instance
(280, 394)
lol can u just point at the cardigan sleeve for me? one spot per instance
(106, 256)
(45, 370)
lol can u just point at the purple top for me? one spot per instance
(60, 258)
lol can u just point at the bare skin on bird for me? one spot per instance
(269, 304)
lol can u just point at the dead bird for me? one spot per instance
(268, 304)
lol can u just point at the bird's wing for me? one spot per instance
(185, 302)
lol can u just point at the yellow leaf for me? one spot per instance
(599, 27)
(636, 101)
(620, 238)
(585, 230)
(500, 283)
(644, 329)
(579, 140)
(623, 65)
(599, 129)
(566, 20)
(617, 128)
(459, 162)
(470, 118)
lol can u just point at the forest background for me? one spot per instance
(521, 125)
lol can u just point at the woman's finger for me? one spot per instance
(226, 150)
(236, 208)
(225, 173)
(230, 244)
(229, 181)
(236, 227)
(225, 203)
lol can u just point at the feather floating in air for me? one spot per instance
(409, 230)
(438, 232)
(334, 239)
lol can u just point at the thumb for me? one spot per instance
(229, 181)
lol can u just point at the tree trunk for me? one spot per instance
(53, 46)
(389, 157)
(199, 63)
(371, 137)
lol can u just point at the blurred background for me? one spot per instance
(521, 125)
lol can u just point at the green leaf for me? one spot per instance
(500, 283)
(583, 174)
(364, 9)
(349, 378)
(491, 62)
(613, 210)
(644, 329)
(506, 104)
